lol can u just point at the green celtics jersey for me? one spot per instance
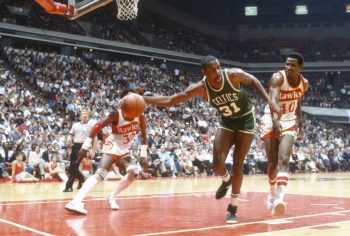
(230, 102)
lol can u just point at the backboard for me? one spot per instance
(127, 9)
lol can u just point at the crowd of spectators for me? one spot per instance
(44, 93)
(150, 30)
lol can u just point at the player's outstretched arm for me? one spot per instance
(197, 89)
(249, 79)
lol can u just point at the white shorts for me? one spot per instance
(21, 176)
(288, 127)
(112, 148)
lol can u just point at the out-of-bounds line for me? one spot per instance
(25, 227)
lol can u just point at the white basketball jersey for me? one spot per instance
(288, 97)
(124, 132)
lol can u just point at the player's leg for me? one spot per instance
(285, 150)
(223, 142)
(242, 147)
(271, 150)
(131, 174)
(76, 204)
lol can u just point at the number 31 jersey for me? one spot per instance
(228, 100)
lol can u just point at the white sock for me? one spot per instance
(87, 186)
(273, 187)
(282, 181)
(123, 184)
(234, 199)
(226, 177)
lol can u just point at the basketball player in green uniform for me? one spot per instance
(223, 89)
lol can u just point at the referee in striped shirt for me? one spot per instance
(78, 133)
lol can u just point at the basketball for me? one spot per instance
(132, 105)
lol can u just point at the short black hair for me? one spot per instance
(126, 91)
(208, 60)
(297, 56)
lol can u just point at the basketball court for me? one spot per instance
(318, 204)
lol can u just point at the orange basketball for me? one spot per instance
(132, 105)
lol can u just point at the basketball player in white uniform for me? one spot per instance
(287, 87)
(115, 149)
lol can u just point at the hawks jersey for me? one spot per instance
(288, 97)
(228, 100)
(123, 133)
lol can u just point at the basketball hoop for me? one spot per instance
(127, 9)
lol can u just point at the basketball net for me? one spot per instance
(127, 9)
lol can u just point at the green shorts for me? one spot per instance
(245, 124)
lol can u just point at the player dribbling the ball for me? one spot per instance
(124, 123)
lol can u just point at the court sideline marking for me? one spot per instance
(25, 227)
(104, 198)
(239, 224)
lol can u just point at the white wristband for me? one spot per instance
(143, 152)
(87, 144)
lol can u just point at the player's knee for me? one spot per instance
(218, 164)
(134, 169)
(101, 174)
(132, 172)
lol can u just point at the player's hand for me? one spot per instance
(300, 135)
(275, 109)
(81, 155)
(277, 127)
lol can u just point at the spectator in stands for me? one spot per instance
(167, 163)
(47, 154)
(323, 156)
(35, 161)
(55, 171)
(19, 175)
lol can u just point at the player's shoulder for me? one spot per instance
(278, 77)
(234, 71)
(278, 74)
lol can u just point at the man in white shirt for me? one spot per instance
(78, 134)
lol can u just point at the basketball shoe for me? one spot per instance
(75, 207)
(231, 217)
(278, 207)
(112, 204)
(222, 190)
